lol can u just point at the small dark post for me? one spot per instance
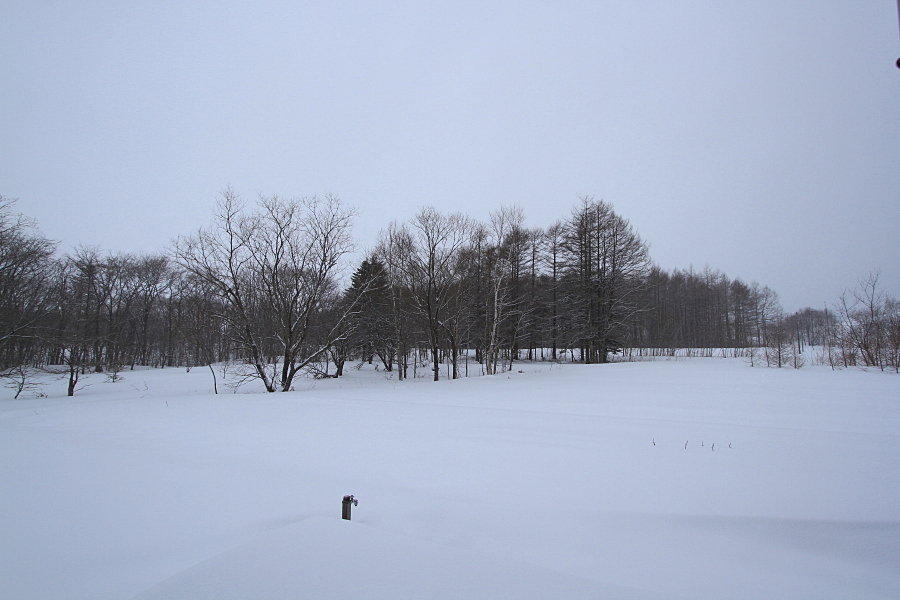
(345, 506)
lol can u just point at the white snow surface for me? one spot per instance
(550, 481)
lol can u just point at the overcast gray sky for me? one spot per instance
(759, 137)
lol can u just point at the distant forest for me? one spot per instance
(441, 292)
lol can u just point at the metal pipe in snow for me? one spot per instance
(345, 506)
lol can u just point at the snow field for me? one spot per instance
(552, 472)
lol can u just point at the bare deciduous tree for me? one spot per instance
(394, 245)
(505, 229)
(865, 316)
(272, 268)
(25, 272)
(425, 254)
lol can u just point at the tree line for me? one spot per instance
(261, 285)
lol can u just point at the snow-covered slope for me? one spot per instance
(324, 557)
(700, 478)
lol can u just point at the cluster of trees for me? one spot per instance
(257, 286)
(706, 309)
(501, 290)
(861, 329)
(868, 327)
(261, 285)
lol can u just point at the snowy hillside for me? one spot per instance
(701, 478)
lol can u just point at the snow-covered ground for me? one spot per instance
(700, 478)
